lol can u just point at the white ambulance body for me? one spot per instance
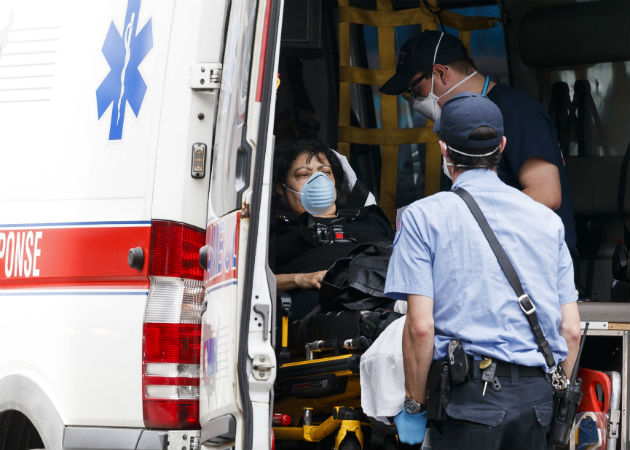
(136, 143)
(118, 151)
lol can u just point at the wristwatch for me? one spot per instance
(413, 406)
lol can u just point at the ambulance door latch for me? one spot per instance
(262, 366)
(205, 76)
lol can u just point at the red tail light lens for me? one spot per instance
(172, 414)
(172, 343)
(175, 250)
(172, 328)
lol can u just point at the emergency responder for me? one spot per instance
(435, 66)
(455, 289)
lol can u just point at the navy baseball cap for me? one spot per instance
(416, 54)
(463, 114)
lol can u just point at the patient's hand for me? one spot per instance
(309, 280)
(290, 281)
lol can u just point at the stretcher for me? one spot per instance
(318, 391)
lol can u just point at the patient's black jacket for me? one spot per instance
(303, 243)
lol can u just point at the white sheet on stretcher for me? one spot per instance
(382, 374)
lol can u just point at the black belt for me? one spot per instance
(505, 369)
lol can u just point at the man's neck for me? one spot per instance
(457, 172)
(475, 85)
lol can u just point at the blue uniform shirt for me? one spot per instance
(441, 252)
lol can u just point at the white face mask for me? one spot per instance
(445, 167)
(428, 106)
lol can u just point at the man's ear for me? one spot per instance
(502, 144)
(279, 189)
(443, 149)
(440, 72)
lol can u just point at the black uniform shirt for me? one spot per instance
(530, 133)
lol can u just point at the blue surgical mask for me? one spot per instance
(317, 195)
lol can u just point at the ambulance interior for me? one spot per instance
(573, 56)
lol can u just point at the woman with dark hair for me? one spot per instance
(311, 225)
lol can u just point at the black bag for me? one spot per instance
(357, 282)
(438, 389)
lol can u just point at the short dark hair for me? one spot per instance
(465, 66)
(284, 156)
(471, 162)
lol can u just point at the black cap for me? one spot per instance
(417, 53)
(463, 114)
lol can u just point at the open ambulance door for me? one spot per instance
(237, 355)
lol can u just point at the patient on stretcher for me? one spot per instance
(317, 218)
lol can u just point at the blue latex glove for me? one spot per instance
(411, 427)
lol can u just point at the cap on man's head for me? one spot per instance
(417, 54)
(463, 114)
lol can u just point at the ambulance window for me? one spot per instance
(580, 70)
(228, 169)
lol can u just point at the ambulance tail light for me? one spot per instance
(172, 327)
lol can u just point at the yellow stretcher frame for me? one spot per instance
(389, 137)
(316, 433)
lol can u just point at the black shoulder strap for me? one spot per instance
(527, 306)
(357, 196)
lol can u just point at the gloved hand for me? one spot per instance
(411, 427)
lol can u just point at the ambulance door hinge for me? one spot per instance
(188, 439)
(262, 366)
(205, 76)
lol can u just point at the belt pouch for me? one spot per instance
(565, 402)
(438, 390)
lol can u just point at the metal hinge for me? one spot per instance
(206, 76)
(183, 440)
(262, 365)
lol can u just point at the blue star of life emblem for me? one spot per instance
(124, 52)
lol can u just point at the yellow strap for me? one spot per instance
(375, 136)
(285, 331)
(384, 18)
(389, 110)
(465, 37)
(361, 75)
(467, 23)
(344, 86)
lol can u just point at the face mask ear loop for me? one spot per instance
(470, 154)
(434, 58)
(287, 187)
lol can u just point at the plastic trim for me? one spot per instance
(92, 438)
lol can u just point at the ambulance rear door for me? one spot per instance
(237, 358)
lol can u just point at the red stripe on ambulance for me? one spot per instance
(70, 256)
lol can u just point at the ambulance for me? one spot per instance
(137, 307)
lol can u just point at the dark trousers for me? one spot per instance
(515, 418)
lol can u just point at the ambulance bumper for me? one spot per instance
(91, 438)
